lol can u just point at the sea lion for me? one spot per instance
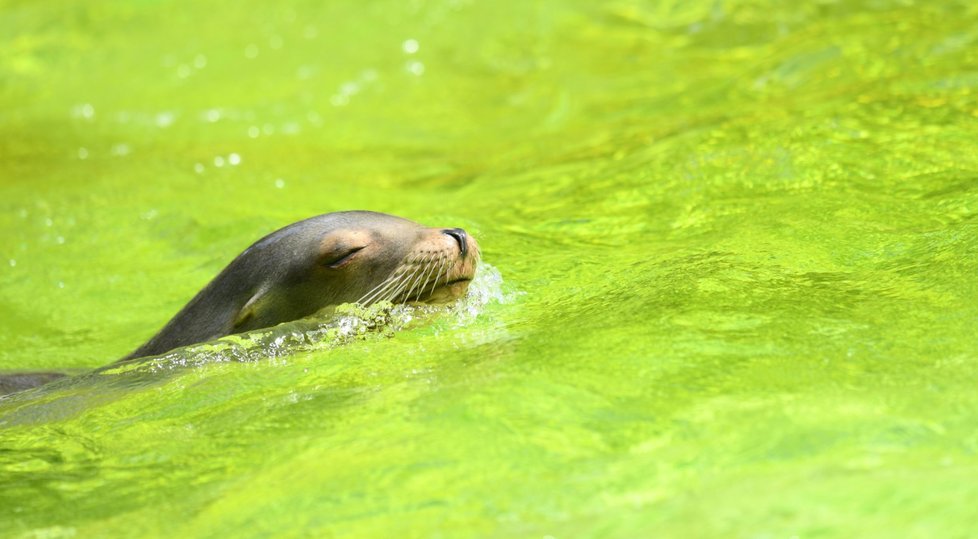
(342, 257)
(330, 259)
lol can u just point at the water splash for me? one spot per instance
(335, 326)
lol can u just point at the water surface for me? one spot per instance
(736, 242)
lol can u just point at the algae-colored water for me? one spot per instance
(737, 244)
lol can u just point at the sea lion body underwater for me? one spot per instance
(330, 259)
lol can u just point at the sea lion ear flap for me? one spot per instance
(248, 311)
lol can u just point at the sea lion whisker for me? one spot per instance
(437, 267)
(445, 265)
(395, 292)
(392, 293)
(418, 278)
(415, 292)
(363, 299)
(379, 289)
(434, 282)
(395, 282)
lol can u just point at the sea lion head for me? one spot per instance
(357, 256)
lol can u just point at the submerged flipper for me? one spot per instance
(19, 381)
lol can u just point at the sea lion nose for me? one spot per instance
(459, 235)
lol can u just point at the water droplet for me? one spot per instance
(200, 61)
(48, 221)
(251, 51)
(415, 68)
(279, 183)
(164, 119)
(219, 161)
(339, 100)
(13, 262)
(120, 149)
(151, 214)
(82, 153)
(183, 71)
(253, 131)
(60, 240)
(410, 46)
(85, 111)
(61, 284)
(212, 115)
(234, 159)
(290, 128)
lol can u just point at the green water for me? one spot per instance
(736, 240)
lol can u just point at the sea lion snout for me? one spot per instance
(460, 237)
